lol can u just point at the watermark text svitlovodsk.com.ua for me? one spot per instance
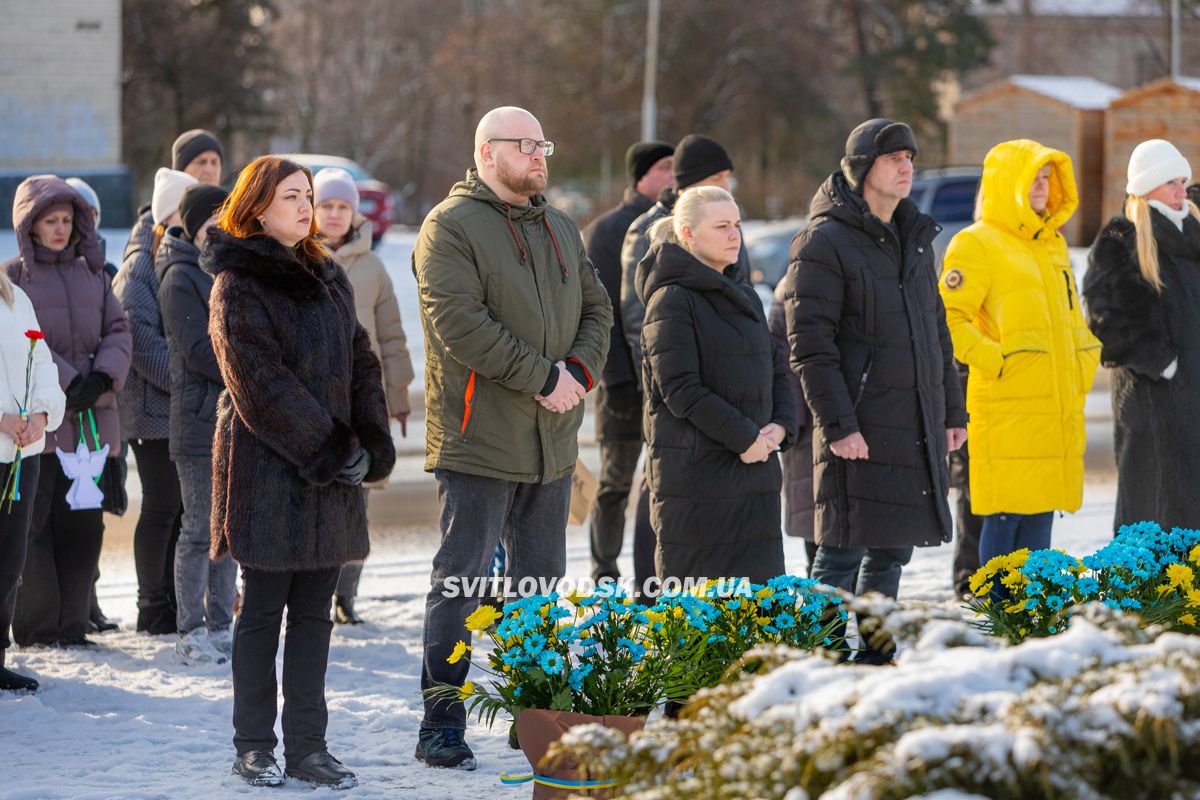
(507, 587)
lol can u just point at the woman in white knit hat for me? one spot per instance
(347, 233)
(145, 406)
(1143, 302)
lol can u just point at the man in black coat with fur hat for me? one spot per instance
(869, 340)
(618, 398)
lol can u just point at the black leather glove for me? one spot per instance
(356, 468)
(85, 390)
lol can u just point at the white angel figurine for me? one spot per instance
(83, 467)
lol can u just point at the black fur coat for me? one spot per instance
(1156, 421)
(303, 391)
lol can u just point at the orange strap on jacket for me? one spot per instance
(468, 399)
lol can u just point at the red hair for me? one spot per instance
(253, 193)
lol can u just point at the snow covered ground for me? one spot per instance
(122, 722)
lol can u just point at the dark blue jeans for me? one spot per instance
(861, 569)
(1005, 533)
(529, 519)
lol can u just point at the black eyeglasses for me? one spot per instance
(528, 146)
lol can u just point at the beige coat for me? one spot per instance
(378, 311)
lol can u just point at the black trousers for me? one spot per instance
(967, 529)
(618, 468)
(307, 596)
(55, 594)
(14, 541)
(155, 536)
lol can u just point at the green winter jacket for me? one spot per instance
(505, 293)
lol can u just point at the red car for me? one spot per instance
(374, 199)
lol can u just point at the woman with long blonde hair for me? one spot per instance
(1142, 292)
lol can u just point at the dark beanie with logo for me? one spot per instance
(869, 141)
(191, 144)
(641, 156)
(200, 201)
(696, 157)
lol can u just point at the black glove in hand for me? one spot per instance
(85, 390)
(356, 468)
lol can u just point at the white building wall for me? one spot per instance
(60, 83)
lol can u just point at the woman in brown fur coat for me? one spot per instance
(302, 423)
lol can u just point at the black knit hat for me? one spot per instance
(641, 156)
(869, 141)
(696, 157)
(198, 204)
(191, 144)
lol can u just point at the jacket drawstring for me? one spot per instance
(521, 248)
(511, 227)
(561, 265)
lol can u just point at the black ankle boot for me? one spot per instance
(12, 682)
(343, 611)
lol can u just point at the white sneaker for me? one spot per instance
(194, 648)
(222, 641)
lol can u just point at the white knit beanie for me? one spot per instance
(1153, 163)
(89, 194)
(334, 183)
(169, 186)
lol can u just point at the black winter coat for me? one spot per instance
(712, 382)
(303, 392)
(1156, 421)
(196, 383)
(869, 340)
(797, 460)
(618, 398)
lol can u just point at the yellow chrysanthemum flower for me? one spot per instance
(460, 650)
(656, 616)
(1194, 556)
(1193, 596)
(467, 690)
(483, 618)
(762, 621)
(575, 596)
(1179, 574)
(1188, 619)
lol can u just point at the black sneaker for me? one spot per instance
(322, 769)
(444, 748)
(258, 768)
(12, 682)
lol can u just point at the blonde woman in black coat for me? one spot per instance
(718, 407)
(1142, 295)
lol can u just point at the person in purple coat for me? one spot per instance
(61, 269)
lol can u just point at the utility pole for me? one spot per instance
(650, 77)
(1176, 23)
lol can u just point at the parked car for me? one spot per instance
(768, 245)
(374, 198)
(948, 195)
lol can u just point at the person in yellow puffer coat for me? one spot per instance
(1015, 318)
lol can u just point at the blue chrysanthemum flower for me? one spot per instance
(551, 662)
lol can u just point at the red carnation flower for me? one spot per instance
(34, 335)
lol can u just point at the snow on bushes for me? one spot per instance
(1105, 709)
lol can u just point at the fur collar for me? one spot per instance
(267, 261)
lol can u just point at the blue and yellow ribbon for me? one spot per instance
(557, 783)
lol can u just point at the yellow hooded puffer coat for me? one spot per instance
(1015, 318)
